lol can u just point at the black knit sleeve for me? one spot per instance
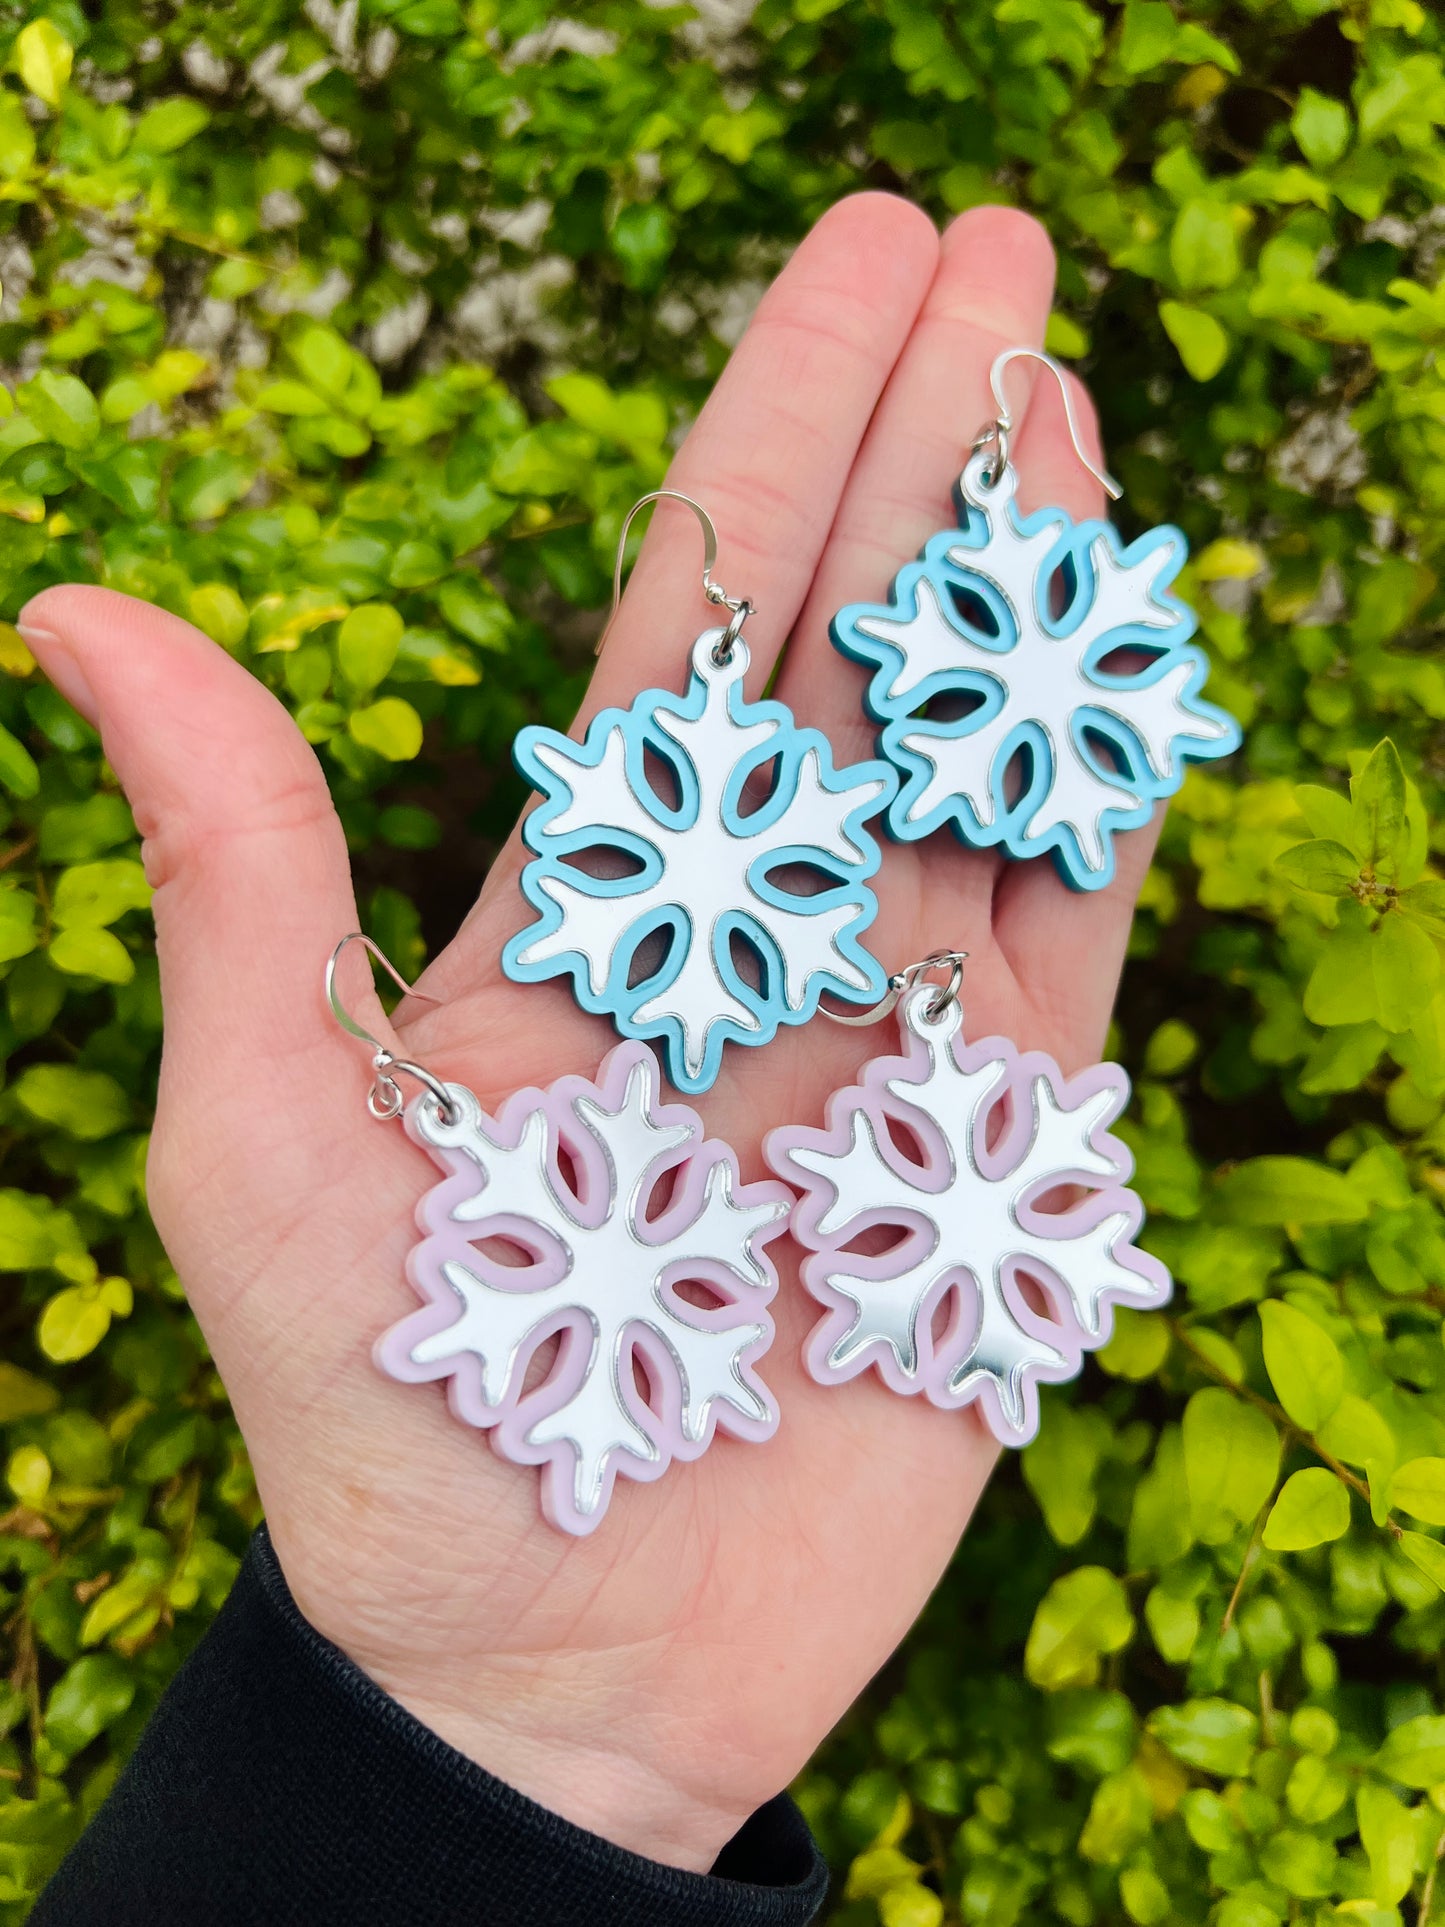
(277, 1784)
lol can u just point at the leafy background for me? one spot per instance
(351, 335)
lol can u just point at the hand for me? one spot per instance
(656, 1681)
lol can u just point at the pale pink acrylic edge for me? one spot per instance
(444, 1240)
(872, 1096)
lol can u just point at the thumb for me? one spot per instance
(241, 842)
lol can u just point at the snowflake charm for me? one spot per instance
(975, 671)
(993, 1133)
(707, 934)
(580, 1211)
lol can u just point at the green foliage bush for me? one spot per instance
(351, 338)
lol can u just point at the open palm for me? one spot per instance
(658, 1680)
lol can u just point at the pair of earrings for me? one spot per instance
(1012, 704)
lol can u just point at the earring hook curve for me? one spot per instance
(1003, 421)
(901, 982)
(739, 606)
(385, 1098)
(333, 996)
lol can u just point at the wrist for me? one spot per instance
(594, 1751)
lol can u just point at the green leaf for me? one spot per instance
(87, 1104)
(1288, 1190)
(1341, 989)
(1301, 1863)
(637, 421)
(1321, 127)
(366, 644)
(1388, 1836)
(291, 398)
(1173, 1624)
(1406, 969)
(17, 138)
(1377, 796)
(1147, 1901)
(73, 1323)
(22, 1395)
(1172, 1047)
(910, 1905)
(1418, 1487)
(391, 727)
(1325, 867)
(92, 895)
(17, 924)
(642, 240)
(1203, 246)
(1231, 1459)
(207, 486)
(1414, 1753)
(1316, 1789)
(216, 609)
(1096, 1732)
(1426, 1553)
(1121, 1816)
(18, 771)
(1356, 1433)
(1139, 1346)
(87, 1698)
(170, 124)
(72, 832)
(1060, 1466)
(1083, 1615)
(62, 408)
(1328, 813)
(1152, 35)
(1342, 1059)
(1201, 340)
(474, 612)
(92, 953)
(1213, 1735)
(1424, 903)
(1160, 1528)
(416, 563)
(43, 58)
(1303, 1362)
(28, 1474)
(325, 358)
(1312, 1509)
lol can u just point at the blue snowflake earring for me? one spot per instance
(699, 866)
(1033, 677)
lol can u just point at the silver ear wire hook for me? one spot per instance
(384, 1100)
(899, 985)
(996, 435)
(739, 606)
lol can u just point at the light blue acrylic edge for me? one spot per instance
(885, 659)
(617, 1000)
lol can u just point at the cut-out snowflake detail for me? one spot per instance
(973, 1206)
(1005, 716)
(579, 1212)
(756, 904)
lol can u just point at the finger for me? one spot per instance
(992, 291)
(771, 450)
(1066, 947)
(767, 458)
(241, 843)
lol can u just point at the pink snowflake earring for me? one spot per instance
(996, 1280)
(544, 1226)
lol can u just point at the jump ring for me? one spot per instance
(722, 653)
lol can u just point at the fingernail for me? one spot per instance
(61, 665)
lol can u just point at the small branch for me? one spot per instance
(18, 850)
(1251, 1552)
(1427, 1892)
